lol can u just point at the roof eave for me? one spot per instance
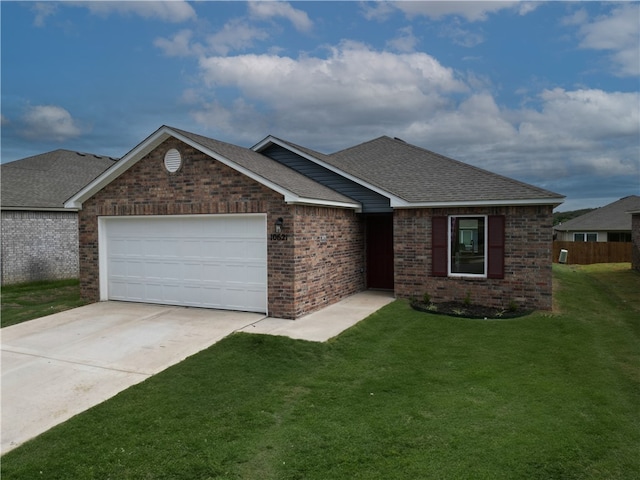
(482, 203)
(295, 200)
(39, 209)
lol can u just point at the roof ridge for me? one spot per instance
(359, 145)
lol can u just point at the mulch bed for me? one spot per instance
(462, 310)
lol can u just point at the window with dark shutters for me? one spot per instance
(496, 246)
(439, 246)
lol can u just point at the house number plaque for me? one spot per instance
(279, 237)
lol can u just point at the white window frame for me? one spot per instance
(586, 234)
(485, 248)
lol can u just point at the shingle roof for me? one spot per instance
(268, 169)
(418, 175)
(612, 217)
(45, 181)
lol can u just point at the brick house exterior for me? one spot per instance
(635, 238)
(38, 236)
(304, 273)
(527, 265)
(38, 245)
(325, 249)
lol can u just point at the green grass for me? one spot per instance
(37, 299)
(402, 395)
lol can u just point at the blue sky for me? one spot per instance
(544, 92)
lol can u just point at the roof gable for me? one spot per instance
(46, 181)
(295, 188)
(612, 217)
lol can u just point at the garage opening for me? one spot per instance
(209, 261)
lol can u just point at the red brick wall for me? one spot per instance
(305, 273)
(528, 250)
(329, 256)
(635, 239)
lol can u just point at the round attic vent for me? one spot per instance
(172, 160)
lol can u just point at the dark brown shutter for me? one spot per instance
(439, 246)
(496, 246)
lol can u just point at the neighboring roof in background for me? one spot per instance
(612, 217)
(46, 181)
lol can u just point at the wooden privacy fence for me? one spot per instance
(586, 253)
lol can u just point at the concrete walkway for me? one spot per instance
(57, 366)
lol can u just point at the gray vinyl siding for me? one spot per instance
(371, 201)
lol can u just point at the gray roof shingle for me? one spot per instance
(612, 217)
(418, 175)
(47, 180)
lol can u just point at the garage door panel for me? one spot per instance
(205, 261)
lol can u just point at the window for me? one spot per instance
(468, 246)
(619, 236)
(585, 237)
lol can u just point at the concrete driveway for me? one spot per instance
(57, 366)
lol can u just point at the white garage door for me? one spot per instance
(212, 261)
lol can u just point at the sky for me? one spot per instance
(544, 92)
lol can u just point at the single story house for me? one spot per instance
(611, 223)
(278, 228)
(39, 236)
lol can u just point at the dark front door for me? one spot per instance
(379, 238)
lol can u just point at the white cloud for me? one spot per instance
(406, 41)
(42, 10)
(236, 34)
(267, 10)
(461, 36)
(473, 11)
(357, 93)
(354, 79)
(174, 11)
(179, 45)
(49, 122)
(618, 32)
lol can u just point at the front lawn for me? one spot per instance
(37, 299)
(402, 395)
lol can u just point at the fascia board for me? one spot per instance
(264, 143)
(119, 168)
(295, 200)
(39, 209)
(482, 203)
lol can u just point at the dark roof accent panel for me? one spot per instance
(371, 201)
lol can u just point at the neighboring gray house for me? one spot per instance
(611, 223)
(39, 237)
